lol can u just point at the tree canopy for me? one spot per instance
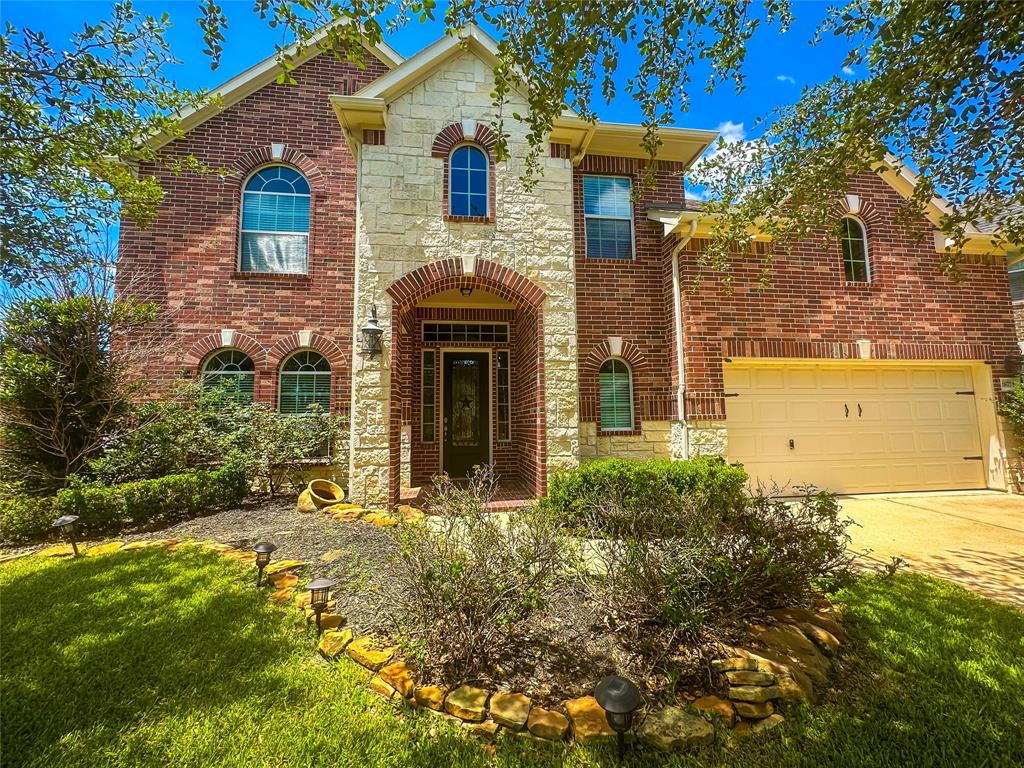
(943, 90)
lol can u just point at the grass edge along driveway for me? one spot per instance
(172, 658)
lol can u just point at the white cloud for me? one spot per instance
(786, 79)
(848, 71)
(731, 132)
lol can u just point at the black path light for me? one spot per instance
(319, 593)
(66, 525)
(619, 698)
(263, 551)
(372, 335)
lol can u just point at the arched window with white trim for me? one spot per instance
(275, 221)
(616, 396)
(305, 380)
(854, 240)
(467, 182)
(231, 371)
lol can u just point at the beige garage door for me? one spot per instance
(855, 428)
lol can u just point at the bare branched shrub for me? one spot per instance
(470, 578)
(674, 573)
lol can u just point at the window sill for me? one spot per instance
(634, 432)
(859, 286)
(290, 276)
(451, 217)
(611, 260)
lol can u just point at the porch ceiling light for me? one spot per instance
(466, 291)
(263, 551)
(619, 698)
(66, 525)
(372, 335)
(319, 593)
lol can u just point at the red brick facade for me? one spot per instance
(630, 299)
(909, 310)
(188, 262)
(188, 259)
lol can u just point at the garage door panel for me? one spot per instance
(855, 428)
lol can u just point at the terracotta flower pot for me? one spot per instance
(325, 493)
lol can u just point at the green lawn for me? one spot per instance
(172, 658)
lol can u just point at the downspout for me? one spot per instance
(677, 311)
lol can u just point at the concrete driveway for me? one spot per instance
(975, 538)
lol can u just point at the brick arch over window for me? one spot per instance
(243, 166)
(447, 274)
(454, 134)
(444, 143)
(630, 353)
(294, 342)
(207, 345)
(860, 208)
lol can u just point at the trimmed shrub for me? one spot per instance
(153, 502)
(708, 483)
(23, 518)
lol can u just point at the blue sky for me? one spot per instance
(777, 67)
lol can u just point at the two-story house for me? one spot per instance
(535, 327)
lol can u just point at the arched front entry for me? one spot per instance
(467, 375)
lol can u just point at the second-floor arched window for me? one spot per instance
(468, 182)
(855, 251)
(275, 221)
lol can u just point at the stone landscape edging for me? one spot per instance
(798, 646)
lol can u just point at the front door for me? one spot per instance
(466, 413)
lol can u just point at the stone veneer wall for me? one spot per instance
(652, 442)
(400, 227)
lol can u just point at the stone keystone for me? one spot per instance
(333, 643)
(750, 678)
(369, 652)
(754, 693)
(673, 729)
(547, 724)
(589, 723)
(467, 703)
(431, 697)
(510, 709)
(399, 676)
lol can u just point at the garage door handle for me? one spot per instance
(847, 409)
(859, 411)
(974, 458)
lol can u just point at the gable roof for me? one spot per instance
(367, 108)
(262, 74)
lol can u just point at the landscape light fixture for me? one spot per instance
(619, 698)
(263, 551)
(319, 592)
(373, 335)
(66, 525)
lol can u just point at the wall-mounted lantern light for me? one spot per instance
(373, 335)
(66, 525)
(319, 594)
(263, 551)
(619, 698)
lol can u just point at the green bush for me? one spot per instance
(153, 502)
(23, 518)
(709, 483)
